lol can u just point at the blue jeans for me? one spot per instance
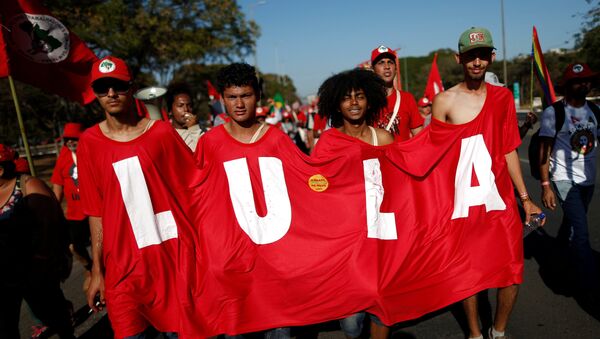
(167, 335)
(352, 325)
(574, 200)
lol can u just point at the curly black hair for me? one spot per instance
(174, 90)
(333, 90)
(238, 74)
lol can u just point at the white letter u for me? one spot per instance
(274, 225)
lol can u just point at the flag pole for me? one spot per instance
(531, 87)
(21, 125)
(531, 76)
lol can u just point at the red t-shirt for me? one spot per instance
(136, 187)
(408, 116)
(65, 174)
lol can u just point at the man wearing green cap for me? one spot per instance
(490, 111)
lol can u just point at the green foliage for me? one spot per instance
(274, 83)
(155, 37)
(43, 114)
(178, 39)
(161, 35)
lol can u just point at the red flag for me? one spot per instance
(3, 57)
(286, 240)
(434, 82)
(39, 50)
(213, 94)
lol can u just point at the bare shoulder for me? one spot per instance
(35, 186)
(384, 137)
(444, 102)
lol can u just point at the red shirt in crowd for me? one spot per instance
(408, 116)
(66, 175)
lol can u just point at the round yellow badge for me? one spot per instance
(318, 183)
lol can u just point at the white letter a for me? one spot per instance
(474, 156)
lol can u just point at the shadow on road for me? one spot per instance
(101, 329)
(557, 273)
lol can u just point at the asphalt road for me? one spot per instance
(545, 307)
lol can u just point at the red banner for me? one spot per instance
(434, 82)
(280, 239)
(41, 51)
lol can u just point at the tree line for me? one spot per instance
(182, 40)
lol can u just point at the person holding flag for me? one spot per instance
(569, 131)
(473, 101)
(132, 192)
(352, 101)
(239, 87)
(401, 116)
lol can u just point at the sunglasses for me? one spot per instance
(102, 87)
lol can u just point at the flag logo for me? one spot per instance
(318, 183)
(106, 66)
(39, 38)
(476, 37)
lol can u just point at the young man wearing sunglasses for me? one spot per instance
(134, 199)
(489, 113)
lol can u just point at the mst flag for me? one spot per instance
(280, 239)
(434, 82)
(41, 51)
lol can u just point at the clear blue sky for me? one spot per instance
(310, 40)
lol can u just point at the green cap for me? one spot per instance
(475, 37)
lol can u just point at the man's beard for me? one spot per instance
(479, 76)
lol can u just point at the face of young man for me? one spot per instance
(354, 106)
(182, 109)
(425, 110)
(114, 95)
(240, 103)
(71, 144)
(385, 68)
(475, 62)
(579, 88)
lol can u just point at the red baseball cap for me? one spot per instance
(110, 67)
(261, 112)
(578, 71)
(424, 102)
(72, 130)
(7, 153)
(381, 52)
